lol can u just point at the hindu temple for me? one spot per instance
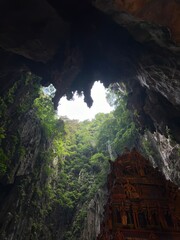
(142, 204)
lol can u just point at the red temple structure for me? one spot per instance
(142, 204)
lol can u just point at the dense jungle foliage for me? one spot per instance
(83, 150)
(76, 162)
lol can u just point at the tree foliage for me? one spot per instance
(82, 150)
(87, 148)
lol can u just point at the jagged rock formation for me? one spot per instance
(72, 43)
(164, 153)
(164, 13)
(141, 203)
(24, 199)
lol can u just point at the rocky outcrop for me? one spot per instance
(164, 153)
(24, 196)
(159, 13)
(31, 29)
(164, 13)
(73, 43)
(153, 85)
(153, 111)
(94, 217)
(22, 183)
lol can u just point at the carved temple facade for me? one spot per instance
(142, 204)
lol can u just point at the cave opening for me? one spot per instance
(78, 109)
(73, 156)
(50, 168)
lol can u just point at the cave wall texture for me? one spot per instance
(72, 43)
(163, 153)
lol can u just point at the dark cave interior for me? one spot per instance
(71, 44)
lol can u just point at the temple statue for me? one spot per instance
(142, 204)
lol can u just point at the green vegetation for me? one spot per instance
(3, 162)
(14, 105)
(45, 112)
(83, 150)
(74, 163)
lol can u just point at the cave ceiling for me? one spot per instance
(72, 43)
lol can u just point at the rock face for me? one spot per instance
(144, 27)
(149, 85)
(20, 190)
(91, 227)
(164, 13)
(163, 152)
(31, 29)
(73, 43)
(24, 202)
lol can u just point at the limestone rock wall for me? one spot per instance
(165, 13)
(31, 29)
(164, 153)
(161, 12)
(24, 196)
(94, 217)
(73, 43)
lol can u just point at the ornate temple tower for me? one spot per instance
(142, 204)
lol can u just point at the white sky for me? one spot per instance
(77, 108)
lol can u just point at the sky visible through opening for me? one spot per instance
(77, 108)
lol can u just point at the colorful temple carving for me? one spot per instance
(142, 204)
